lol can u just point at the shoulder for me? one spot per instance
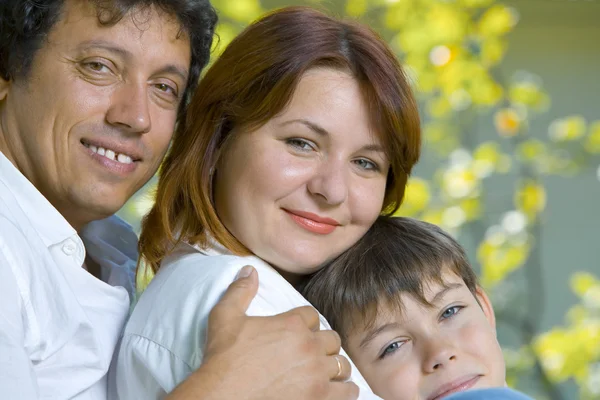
(17, 272)
(173, 310)
(198, 274)
(18, 251)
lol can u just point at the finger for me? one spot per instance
(343, 391)
(330, 341)
(238, 296)
(339, 368)
(308, 314)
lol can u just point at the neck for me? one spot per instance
(4, 147)
(294, 279)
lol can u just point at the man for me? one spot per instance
(90, 91)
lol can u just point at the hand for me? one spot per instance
(280, 357)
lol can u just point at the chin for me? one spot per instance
(297, 265)
(102, 206)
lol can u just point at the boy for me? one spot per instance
(410, 313)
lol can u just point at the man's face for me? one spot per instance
(90, 123)
(429, 353)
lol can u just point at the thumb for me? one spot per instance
(238, 295)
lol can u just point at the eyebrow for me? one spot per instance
(447, 288)
(372, 334)
(111, 47)
(318, 129)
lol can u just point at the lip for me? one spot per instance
(116, 168)
(130, 151)
(313, 222)
(458, 385)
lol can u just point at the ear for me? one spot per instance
(486, 306)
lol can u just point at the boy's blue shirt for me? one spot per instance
(490, 394)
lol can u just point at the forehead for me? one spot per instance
(404, 304)
(333, 99)
(146, 32)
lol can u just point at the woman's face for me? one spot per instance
(309, 183)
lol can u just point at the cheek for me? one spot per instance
(480, 341)
(271, 173)
(396, 380)
(366, 201)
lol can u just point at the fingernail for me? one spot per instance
(244, 272)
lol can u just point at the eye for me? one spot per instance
(391, 349)
(366, 164)
(163, 87)
(451, 312)
(300, 144)
(97, 66)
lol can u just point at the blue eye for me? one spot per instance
(300, 144)
(366, 164)
(451, 311)
(391, 349)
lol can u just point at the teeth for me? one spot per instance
(110, 154)
(123, 159)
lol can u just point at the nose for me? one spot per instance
(439, 354)
(330, 182)
(129, 108)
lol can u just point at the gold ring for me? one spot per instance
(339, 364)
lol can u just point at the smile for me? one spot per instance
(313, 223)
(110, 154)
(459, 385)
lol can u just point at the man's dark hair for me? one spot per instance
(396, 256)
(25, 25)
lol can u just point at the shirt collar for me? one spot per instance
(112, 244)
(52, 227)
(214, 248)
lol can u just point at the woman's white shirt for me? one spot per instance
(163, 342)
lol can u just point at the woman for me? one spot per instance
(299, 136)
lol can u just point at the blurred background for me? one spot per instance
(510, 101)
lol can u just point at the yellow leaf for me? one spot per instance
(471, 207)
(532, 149)
(225, 33)
(459, 182)
(433, 217)
(507, 121)
(530, 198)
(497, 20)
(492, 51)
(475, 3)
(497, 261)
(416, 197)
(592, 143)
(567, 129)
(240, 10)
(528, 93)
(356, 8)
(581, 282)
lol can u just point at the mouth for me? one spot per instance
(312, 222)
(112, 153)
(458, 385)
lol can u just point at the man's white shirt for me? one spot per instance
(59, 325)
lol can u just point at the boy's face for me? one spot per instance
(429, 353)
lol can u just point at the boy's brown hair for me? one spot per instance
(396, 256)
